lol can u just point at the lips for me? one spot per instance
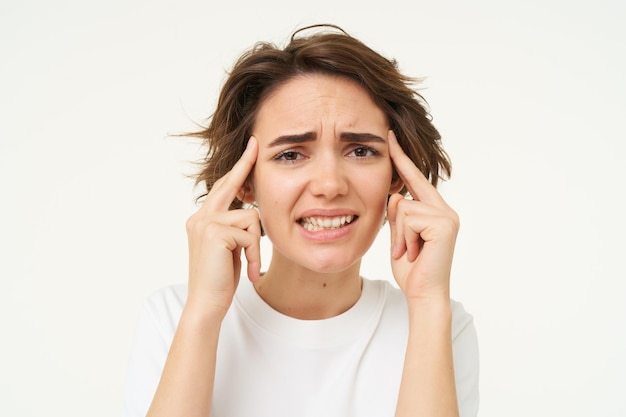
(314, 224)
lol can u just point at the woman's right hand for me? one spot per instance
(216, 237)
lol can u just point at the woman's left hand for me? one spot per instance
(423, 232)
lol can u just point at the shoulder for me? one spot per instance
(395, 303)
(165, 306)
(461, 319)
(171, 295)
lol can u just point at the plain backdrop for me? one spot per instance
(528, 95)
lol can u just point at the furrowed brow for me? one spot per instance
(292, 139)
(360, 137)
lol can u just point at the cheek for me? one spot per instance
(378, 180)
(377, 187)
(273, 188)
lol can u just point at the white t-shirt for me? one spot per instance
(269, 364)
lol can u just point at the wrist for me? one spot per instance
(201, 312)
(430, 300)
(431, 309)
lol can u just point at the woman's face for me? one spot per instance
(323, 172)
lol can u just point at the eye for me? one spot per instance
(363, 152)
(288, 156)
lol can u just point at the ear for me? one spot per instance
(246, 193)
(396, 184)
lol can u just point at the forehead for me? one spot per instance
(313, 98)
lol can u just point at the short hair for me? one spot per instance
(331, 51)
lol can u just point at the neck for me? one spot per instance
(300, 293)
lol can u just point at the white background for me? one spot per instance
(529, 97)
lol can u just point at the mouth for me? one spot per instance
(316, 224)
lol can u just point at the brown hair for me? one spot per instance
(265, 67)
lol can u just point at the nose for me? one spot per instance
(328, 177)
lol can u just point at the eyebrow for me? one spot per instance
(311, 136)
(360, 137)
(291, 139)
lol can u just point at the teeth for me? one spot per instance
(314, 224)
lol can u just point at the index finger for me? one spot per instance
(418, 185)
(226, 188)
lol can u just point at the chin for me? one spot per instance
(330, 264)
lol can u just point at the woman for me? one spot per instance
(316, 146)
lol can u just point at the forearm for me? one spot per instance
(186, 385)
(428, 387)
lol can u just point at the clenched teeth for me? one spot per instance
(314, 224)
